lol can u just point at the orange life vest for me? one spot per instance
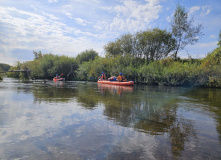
(103, 76)
(120, 78)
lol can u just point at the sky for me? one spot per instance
(69, 27)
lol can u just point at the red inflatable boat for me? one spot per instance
(128, 83)
(58, 79)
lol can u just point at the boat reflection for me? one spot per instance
(104, 88)
(58, 84)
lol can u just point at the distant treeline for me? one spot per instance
(87, 66)
(4, 67)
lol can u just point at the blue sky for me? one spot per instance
(68, 27)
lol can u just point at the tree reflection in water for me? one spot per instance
(146, 115)
(148, 109)
(210, 100)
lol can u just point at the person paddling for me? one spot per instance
(102, 76)
(121, 78)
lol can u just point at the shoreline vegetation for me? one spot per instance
(146, 57)
(87, 66)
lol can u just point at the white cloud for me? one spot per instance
(69, 15)
(206, 9)
(107, 8)
(28, 31)
(52, 1)
(133, 16)
(96, 1)
(81, 21)
(5, 58)
(43, 27)
(168, 18)
(194, 9)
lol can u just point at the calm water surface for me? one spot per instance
(85, 120)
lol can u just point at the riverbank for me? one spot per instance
(168, 72)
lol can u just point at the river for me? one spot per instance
(86, 120)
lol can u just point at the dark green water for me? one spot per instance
(84, 120)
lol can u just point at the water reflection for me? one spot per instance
(114, 89)
(210, 101)
(146, 116)
(80, 120)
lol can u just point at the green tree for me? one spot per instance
(183, 30)
(127, 43)
(4, 67)
(86, 56)
(121, 46)
(219, 40)
(17, 66)
(154, 44)
(38, 55)
(49, 65)
(113, 48)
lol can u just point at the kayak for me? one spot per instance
(128, 83)
(58, 79)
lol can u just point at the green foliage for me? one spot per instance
(86, 56)
(83, 71)
(211, 67)
(38, 55)
(111, 66)
(4, 67)
(183, 30)
(213, 58)
(152, 44)
(17, 66)
(219, 40)
(113, 48)
(183, 72)
(48, 65)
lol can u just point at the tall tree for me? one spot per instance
(4, 67)
(126, 42)
(154, 44)
(86, 56)
(183, 30)
(219, 40)
(113, 48)
(38, 55)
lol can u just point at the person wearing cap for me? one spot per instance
(121, 78)
(102, 76)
